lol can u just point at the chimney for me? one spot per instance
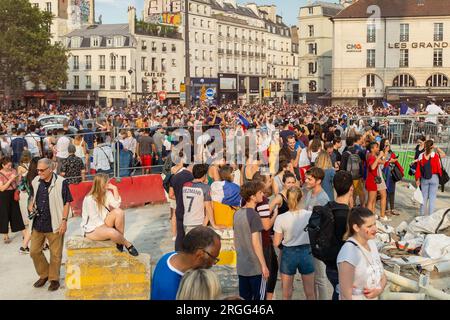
(132, 19)
(91, 12)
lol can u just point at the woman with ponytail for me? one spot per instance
(289, 230)
(428, 171)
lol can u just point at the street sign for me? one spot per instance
(182, 87)
(266, 93)
(182, 97)
(210, 93)
(162, 95)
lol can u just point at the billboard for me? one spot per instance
(79, 13)
(163, 12)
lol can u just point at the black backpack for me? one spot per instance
(321, 228)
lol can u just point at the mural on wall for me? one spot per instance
(163, 12)
(79, 13)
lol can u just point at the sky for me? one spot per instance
(115, 11)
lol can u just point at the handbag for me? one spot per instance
(444, 178)
(396, 174)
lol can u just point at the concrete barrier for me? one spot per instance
(96, 270)
(135, 192)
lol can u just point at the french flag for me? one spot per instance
(244, 122)
(386, 104)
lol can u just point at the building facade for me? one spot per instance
(404, 55)
(117, 64)
(316, 50)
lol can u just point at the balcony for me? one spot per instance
(221, 51)
(153, 49)
(88, 86)
(76, 86)
(229, 51)
(112, 87)
(244, 53)
(258, 55)
(251, 54)
(123, 87)
(237, 52)
(263, 55)
(164, 49)
(112, 68)
(102, 86)
(76, 67)
(123, 67)
(102, 67)
(88, 67)
(144, 48)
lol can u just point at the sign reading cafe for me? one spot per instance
(415, 45)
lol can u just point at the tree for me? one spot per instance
(26, 53)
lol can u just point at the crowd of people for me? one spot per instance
(322, 162)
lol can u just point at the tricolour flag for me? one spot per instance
(386, 104)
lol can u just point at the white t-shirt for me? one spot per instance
(62, 147)
(304, 160)
(33, 141)
(433, 109)
(368, 266)
(292, 226)
(194, 196)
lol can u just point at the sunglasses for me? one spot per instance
(42, 170)
(216, 260)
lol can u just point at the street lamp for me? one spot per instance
(135, 80)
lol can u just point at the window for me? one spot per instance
(109, 42)
(196, 71)
(312, 67)
(194, 22)
(204, 38)
(118, 41)
(196, 54)
(370, 81)
(404, 80)
(75, 42)
(437, 80)
(144, 45)
(438, 31)
(404, 32)
(123, 82)
(312, 86)
(201, 23)
(76, 63)
(209, 24)
(311, 30)
(76, 82)
(95, 42)
(404, 58)
(113, 61)
(210, 56)
(312, 48)
(88, 63)
(174, 86)
(36, 5)
(196, 37)
(211, 39)
(153, 46)
(112, 83)
(311, 10)
(48, 6)
(164, 47)
(143, 64)
(174, 62)
(154, 64)
(204, 55)
(102, 62)
(163, 65)
(210, 72)
(123, 62)
(371, 38)
(174, 48)
(371, 58)
(102, 80)
(88, 82)
(437, 58)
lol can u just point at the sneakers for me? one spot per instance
(385, 219)
(119, 247)
(23, 250)
(132, 250)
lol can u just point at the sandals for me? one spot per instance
(395, 213)
(132, 250)
(7, 241)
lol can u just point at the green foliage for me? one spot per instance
(25, 49)
(156, 30)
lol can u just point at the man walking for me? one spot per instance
(50, 200)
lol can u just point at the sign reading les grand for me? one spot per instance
(164, 6)
(415, 45)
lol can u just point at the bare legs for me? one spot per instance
(113, 229)
(373, 200)
(308, 286)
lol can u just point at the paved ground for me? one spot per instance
(149, 230)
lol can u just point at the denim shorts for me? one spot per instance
(297, 258)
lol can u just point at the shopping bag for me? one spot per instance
(417, 196)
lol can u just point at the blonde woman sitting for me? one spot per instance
(102, 218)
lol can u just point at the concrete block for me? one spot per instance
(96, 270)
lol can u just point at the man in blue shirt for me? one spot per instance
(200, 249)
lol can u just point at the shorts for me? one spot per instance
(297, 258)
(146, 161)
(358, 187)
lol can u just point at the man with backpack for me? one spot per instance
(352, 160)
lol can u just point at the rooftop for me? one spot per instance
(101, 30)
(397, 8)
